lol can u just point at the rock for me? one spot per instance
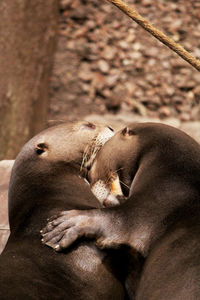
(164, 112)
(123, 44)
(111, 80)
(103, 66)
(107, 93)
(146, 2)
(109, 52)
(65, 3)
(80, 32)
(153, 51)
(85, 73)
(98, 81)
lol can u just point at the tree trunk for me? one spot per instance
(27, 43)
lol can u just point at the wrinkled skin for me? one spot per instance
(160, 165)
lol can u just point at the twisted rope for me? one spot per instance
(157, 33)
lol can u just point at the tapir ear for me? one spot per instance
(41, 148)
(127, 131)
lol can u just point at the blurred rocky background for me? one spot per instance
(105, 63)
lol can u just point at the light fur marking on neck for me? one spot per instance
(100, 140)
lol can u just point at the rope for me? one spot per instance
(157, 33)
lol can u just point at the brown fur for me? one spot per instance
(46, 179)
(160, 165)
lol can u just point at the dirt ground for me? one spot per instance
(105, 63)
